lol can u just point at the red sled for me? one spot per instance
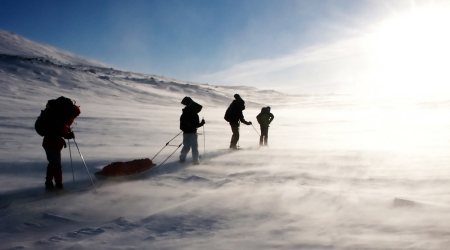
(126, 170)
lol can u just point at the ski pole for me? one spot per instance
(82, 158)
(71, 162)
(259, 134)
(255, 130)
(204, 141)
(167, 144)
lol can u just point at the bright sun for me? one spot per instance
(411, 52)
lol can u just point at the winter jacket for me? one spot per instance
(265, 118)
(236, 115)
(189, 121)
(55, 140)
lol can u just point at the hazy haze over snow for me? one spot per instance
(342, 172)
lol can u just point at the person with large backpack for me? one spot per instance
(264, 119)
(54, 125)
(189, 122)
(234, 116)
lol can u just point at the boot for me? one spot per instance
(59, 186)
(49, 185)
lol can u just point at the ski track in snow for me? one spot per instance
(342, 172)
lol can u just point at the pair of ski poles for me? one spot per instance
(82, 158)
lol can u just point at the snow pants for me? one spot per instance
(264, 135)
(235, 136)
(54, 170)
(189, 141)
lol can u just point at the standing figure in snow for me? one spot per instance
(54, 124)
(264, 119)
(189, 122)
(234, 116)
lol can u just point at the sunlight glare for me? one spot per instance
(411, 52)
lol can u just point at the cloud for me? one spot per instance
(361, 65)
(403, 52)
(320, 68)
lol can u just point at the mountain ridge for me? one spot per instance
(13, 44)
(24, 63)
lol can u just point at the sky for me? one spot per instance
(291, 46)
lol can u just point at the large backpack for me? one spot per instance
(55, 113)
(229, 113)
(234, 111)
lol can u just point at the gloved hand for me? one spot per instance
(203, 122)
(70, 135)
(249, 123)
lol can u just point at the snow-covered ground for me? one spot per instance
(341, 172)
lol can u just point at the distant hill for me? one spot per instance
(13, 44)
(39, 72)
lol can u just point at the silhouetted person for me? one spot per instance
(234, 116)
(264, 119)
(189, 122)
(54, 124)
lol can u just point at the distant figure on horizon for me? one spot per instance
(54, 124)
(234, 116)
(189, 122)
(264, 119)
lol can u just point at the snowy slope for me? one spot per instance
(341, 172)
(12, 44)
(29, 63)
